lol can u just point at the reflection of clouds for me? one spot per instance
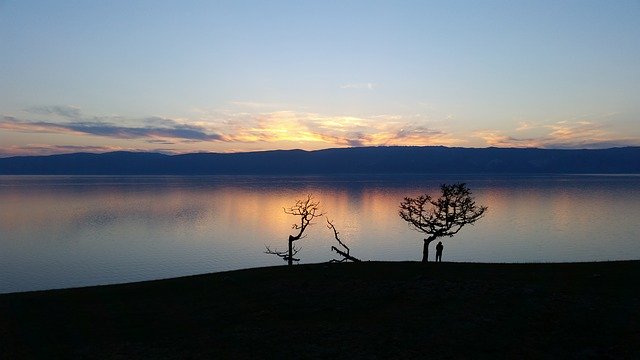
(563, 134)
(224, 222)
(98, 209)
(122, 211)
(250, 210)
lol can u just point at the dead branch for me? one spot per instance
(284, 254)
(307, 210)
(345, 254)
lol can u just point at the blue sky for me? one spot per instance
(187, 76)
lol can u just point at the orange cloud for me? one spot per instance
(277, 129)
(563, 134)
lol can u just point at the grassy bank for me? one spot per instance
(363, 310)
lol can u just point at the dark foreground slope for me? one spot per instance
(362, 311)
(365, 160)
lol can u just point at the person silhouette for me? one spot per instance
(439, 248)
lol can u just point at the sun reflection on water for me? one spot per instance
(59, 232)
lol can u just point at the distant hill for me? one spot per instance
(362, 160)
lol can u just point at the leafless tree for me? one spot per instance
(440, 217)
(345, 254)
(306, 210)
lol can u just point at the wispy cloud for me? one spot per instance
(224, 131)
(46, 149)
(499, 139)
(559, 135)
(526, 125)
(367, 86)
(257, 105)
(155, 128)
(338, 130)
(66, 111)
(276, 129)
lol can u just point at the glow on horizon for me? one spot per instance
(251, 75)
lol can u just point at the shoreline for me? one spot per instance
(306, 264)
(348, 310)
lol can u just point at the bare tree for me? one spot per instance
(440, 217)
(345, 254)
(306, 210)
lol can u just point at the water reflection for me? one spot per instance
(73, 231)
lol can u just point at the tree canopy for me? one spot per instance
(444, 216)
(306, 210)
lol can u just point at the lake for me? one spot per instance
(68, 231)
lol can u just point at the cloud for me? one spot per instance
(560, 135)
(47, 149)
(524, 125)
(498, 139)
(66, 111)
(367, 86)
(256, 105)
(156, 128)
(269, 130)
(339, 130)
(44, 149)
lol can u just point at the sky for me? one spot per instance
(230, 76)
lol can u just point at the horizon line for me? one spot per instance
(170, 153)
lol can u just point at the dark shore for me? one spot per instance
(363, 311)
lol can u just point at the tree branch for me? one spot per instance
(307, 210)
(345, 254)
(283, 254)
(444, 216)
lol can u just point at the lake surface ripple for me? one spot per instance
(66, 231)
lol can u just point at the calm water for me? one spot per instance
(74, 231)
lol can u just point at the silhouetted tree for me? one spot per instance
(345, 254)
(306, 210)
(444, 216)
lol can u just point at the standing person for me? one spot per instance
(439, 248)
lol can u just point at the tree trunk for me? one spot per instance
(290, 259)
(425, 251)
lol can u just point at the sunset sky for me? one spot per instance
(225, 76)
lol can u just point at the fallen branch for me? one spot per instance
(345, 254)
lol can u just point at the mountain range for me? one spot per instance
(358, 160)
